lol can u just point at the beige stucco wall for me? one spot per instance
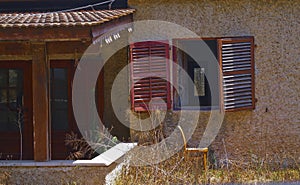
(272, 130)
(115, 57)
(55, 175)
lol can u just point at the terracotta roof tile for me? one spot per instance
(74, 18)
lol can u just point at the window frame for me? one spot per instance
(174, 76)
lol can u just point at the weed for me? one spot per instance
(93, 144)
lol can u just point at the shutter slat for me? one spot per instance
(236, 45)
(241, 105)
(231, 50)
(244, 85)
(244, 101)
(235, 99)
(138, 76)
(236, 57)
(144, 100)
(231, 61)
(236, 91)
(162, 95)
(238, 62)
(237, 76)
(236, 82)
(141, 96)
(237, 68)
(236, 53)
(232, 95)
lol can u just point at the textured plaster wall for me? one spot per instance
(115, 55)
(55, 175)
(272, 130)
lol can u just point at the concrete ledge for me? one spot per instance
(96, 171)
(53, 175)
(109, 156)
(104, 159)
(31, 163)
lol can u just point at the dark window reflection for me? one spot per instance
(59, 99)
(11, 97)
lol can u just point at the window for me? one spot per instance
(222, 68)
(196, 59)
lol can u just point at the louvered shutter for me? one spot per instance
(236, 57)
(150, 75)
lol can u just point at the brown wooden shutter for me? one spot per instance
(149, 69)
(236, 56)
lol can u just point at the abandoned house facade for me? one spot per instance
(259, 97)
(257, 82)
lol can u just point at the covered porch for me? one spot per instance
(39, 53)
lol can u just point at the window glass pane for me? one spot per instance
(3, 119)
(59, 99)
(15, 87)
(12, 123)
(198, 65)
(3, 98)
(11, 93)
(9, 121)
(199, 82)
(3, 77)
(58, 104)
(60, 83)
(60, 120)
(196, 73)
(13, 77)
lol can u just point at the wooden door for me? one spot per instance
(16, 128)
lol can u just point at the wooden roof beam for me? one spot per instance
(46, 34)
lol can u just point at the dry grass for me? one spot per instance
(4, 178)
(177, 170)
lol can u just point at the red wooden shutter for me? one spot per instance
(236, 56)
(149, 69)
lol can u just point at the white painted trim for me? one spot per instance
(109, 156)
